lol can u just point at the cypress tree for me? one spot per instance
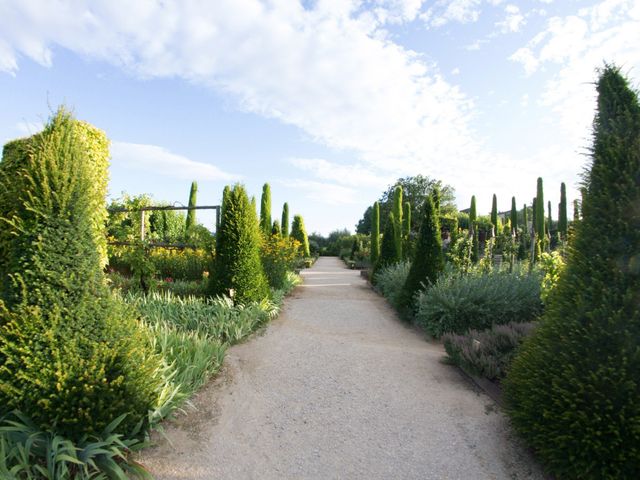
(514, 216)
(265, 210)
(225, 196)
(275, 230)
(191, 214)
(494, 214)
(285, 220)
(375, 234)
(573, 389)
(406, 220)
(388, 253)
(397, 215)
(428, 261)
(525, 220)
(549, 219)
(237, 263)
(475, 246)
(72, 357)
(576, 211)
(299, 233)
(539, 212)
(562, 212)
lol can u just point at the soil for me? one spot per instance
(339, 387)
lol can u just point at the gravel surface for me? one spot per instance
(338, 387)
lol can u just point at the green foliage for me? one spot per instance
(142, 266)
(573, 389)
(473, 213)
(279, 256)
(514, 215)
(397, 218)
(285, 220)
(563, 223)
(275, 229)
(494, 215)
(539, 210)
(457, 304)
(191, 213)
(265, 210)
(487, 353)
(391, 279)
(406, 228)
(428, 261)
(460, 253)
(30, 453)
(375, 234)
(166, 226)
(72, 358)
(299, 233)
(237, 264)
(551, 265)
(95, 146)
(388, 255)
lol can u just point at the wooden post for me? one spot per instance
(142, 225)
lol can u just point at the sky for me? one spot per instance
(329, 101)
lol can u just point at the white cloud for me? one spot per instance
(341, 174)
(153, 159)
(574, 47)
(514, 20)
(330, 69)
(455, 71)
(324, 192)
(445, 11)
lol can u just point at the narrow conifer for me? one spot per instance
(375, 234)
(299, 233)
(514, 216)
(572, 391)
(265, 210)
(397, 215)
(562, 213)
(494, 214)
(285, 220)
(191, 213)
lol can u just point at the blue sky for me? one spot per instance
(328, 100)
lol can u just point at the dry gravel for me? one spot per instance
(338, 387)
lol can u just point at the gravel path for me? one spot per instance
(338, 387)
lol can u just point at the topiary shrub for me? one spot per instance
(72, 358)
(574, 389)
(237, 264)
(428, 261)
(457, 304)
(299, 233)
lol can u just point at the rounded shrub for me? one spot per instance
(573, 391)
(72, 357)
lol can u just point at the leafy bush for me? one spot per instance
(279, 256)
(457, 304)
(391, 279)
(573, 390)
(29, 453)
(487, 353)
(72, 358)
(551, 264)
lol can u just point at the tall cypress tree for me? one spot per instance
(473, 229)
(397, 215)
(494, 214)
(525, 221)
(191, 214)
(562, 212)
(573, 389)
(375, 234)
(265, 210)
(549, 218)
(514, 215)
(539, 214)
(428, 261)
(237, 264)
(285, 220)
(406, 230)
